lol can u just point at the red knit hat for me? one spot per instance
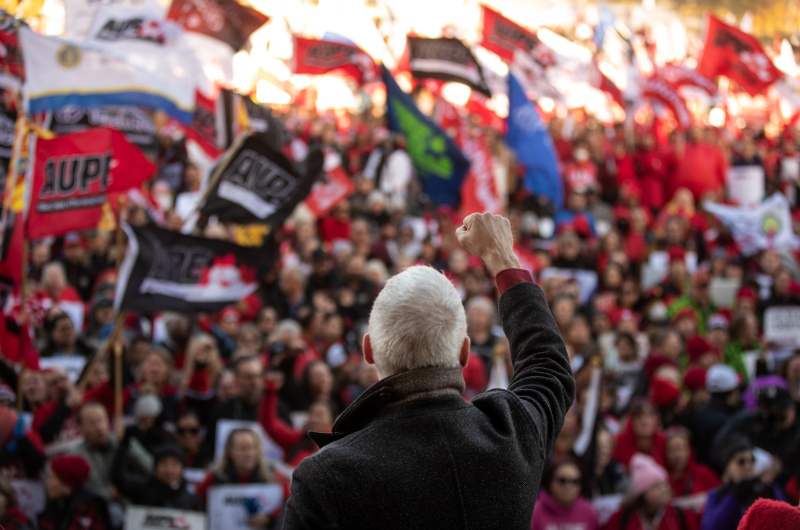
(686, 312)
(747, 293)
(697, 346)
(676, 254)
(72, 470)
(695, 379)
(768, 514)
(663, 392)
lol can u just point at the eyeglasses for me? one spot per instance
(567, 481)
(194, 431)
(743, 461)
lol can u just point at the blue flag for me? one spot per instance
(440, 164)
(528, 137)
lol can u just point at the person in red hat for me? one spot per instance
(700, 353)
(767, 514)
(70, 504)
(666, 396)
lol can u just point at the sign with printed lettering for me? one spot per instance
(230, 507)
(782, 325)
(148, 518)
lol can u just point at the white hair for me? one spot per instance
(417, 321)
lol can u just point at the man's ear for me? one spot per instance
(366, 345)
(464, 356)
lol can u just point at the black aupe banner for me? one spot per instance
(170, 271)
(135, 123)
(256, 183)
(446, 59)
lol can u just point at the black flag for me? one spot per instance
(256, 183)
(170, 271)
(447, 59)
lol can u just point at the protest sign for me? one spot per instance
(695, 503)
(745, 185)
(71, 364)
(782, 325)
(230, 507)
(146, 517)
(272, 451)
(31, 497)
(193, 476)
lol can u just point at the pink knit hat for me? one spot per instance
(645, 473)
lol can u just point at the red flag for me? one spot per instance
(659, 91)
(75, 174)
(737, 55)
(603, 83)
(10, 55)
(225, 20)
(316, 57)
(479, 192)
(204, 125)
(330, 192)
(678, 76)
(503, 36)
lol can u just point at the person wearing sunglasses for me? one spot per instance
(560, 504)
(188, 438)
(741, 485)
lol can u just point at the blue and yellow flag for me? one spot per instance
(440, 164)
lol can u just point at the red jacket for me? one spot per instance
(626, 446)
(697, 479)
(701, 169)
(670, 520)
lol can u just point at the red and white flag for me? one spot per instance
(316, 57)
(74, 175)
(327, 193)
(658, 91)
(678, 76)
(737, 55)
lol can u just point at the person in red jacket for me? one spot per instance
(295, 442)
(686, 476)
(701, 167)
(648, 505)
(652, 167)
(641, 434)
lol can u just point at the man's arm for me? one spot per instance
(542, 377)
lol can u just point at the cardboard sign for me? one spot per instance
(31, 497)
(745, 185)
(782, 325)
(230, 507)
(606, 505)
(71, 364)
(145, 518)
(272, 451)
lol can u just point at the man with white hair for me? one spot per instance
(410, 452)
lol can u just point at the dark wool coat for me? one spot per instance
(411, 453)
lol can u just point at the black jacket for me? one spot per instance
(411, 453)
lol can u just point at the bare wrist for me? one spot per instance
(497, 264)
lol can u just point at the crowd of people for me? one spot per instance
(684, 413)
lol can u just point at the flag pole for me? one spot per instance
(217, 173)
(24, 316)
(120, 321)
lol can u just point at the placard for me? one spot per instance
(695, 503)
(146, 518)
(31, 497)
(745, 185)
(782, 325)
(227, 506)
(606, 505)
(723, 291)
(272, 451)
(193, 476)
(72, 364)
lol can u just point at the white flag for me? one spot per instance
(765, 226)
(61, 72)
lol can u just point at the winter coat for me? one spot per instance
(411, 453)
(81, 510)
(549, 515)
(671, 519)
(727, 504)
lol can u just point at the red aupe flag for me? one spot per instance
(329, 192)
(503, 36)
(75, 174)
(733, 53)
(316, 57)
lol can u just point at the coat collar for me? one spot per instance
(387, 393)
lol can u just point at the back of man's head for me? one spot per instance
(417, 321)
